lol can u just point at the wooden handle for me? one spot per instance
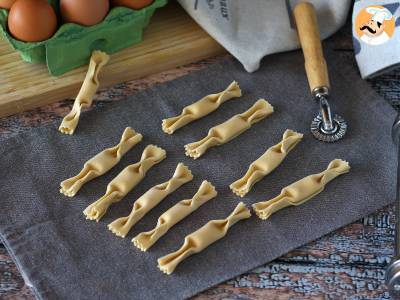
(307, 28)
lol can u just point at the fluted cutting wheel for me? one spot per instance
(338, 132)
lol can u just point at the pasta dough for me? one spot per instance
(125, 181)
(175, 214)
(150, 199)
(202, 238)
(87, 92)
(201, 108)
(101, 163)
(300, 191)
(266, 163)
(230, 129)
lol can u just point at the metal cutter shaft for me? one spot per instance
(325, 126)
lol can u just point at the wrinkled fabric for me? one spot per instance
(250, 30)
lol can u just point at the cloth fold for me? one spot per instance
(250, 32)
(64, 256)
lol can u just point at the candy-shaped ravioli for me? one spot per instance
(230, 129)
(101, 163)
(201, 108)
(125, 181)
(86, 93)
(202, 238)
(175, 214)
(266, 163)
(301, 191)
(150, 199)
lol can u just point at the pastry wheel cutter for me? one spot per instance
(326, 126)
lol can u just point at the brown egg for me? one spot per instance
(32, 20)
(6, 3)
(134, 4)
(84, 12)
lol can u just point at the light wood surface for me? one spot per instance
(307, 28)
(172, 39)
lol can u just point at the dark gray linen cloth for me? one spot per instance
(64, 256)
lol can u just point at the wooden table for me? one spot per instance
(349, 262)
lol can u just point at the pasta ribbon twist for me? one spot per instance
(101, 163)
(202, 238)
(150, 199)
(86, 94)
(175, 214)
(125, 181)
(301, 191)
(230, 129)
(201, 108)
(266, 163)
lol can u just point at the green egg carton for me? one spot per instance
(72, 45)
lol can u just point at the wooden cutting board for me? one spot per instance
(172, 39)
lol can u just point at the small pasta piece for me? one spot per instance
(86, 93)
(124, 182)
(201, 108)
(175, 214)
(101, 163)
(150, 199)
(202, 238)
(301, 191)
(230, 129)
(266, 163)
